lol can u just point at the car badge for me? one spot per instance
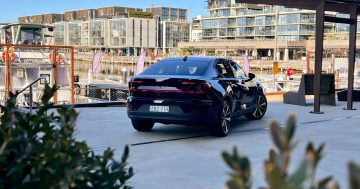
(158, 101)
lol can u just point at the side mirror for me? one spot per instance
(251, 77)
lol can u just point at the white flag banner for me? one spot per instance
(96, 63)
(246, 65)
(140, 64)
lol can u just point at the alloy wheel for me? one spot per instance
(260, 107)
(226, 118)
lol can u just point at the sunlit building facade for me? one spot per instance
(174, 27)
(228, 21)
(123, 36)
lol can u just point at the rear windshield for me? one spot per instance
(166, 67)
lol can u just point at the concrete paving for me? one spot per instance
(186, 157)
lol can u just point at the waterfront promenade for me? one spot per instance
(179, 157)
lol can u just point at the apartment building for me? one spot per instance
(115, 11)
(52, 17)
(122, 29)
(196, 29)
(85, 14)
(172, 33)
(174, 27)
(123, 36)
(169, 13)
(41, 18)
(233, 22)
(24, 19)
(69, 15)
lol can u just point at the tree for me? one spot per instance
(276, 166)
(38, 150)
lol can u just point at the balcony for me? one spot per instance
(307, 32)
(250, 23)
(249, 33)
(310, 21)
(220, 6)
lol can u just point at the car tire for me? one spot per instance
(143, 126)
(222, 126)
(260, 107)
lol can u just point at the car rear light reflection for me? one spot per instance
(131, 108)
(206, 86)
(187, 88)
(195, 111)
(133, 84)
(187, 83)
(137, 82)
(197, 88)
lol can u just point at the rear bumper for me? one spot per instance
(173, 118)
(188, 112)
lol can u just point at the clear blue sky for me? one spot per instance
(11, 10)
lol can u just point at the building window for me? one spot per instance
(182, 14)
(250, 21)
(210, 23)
(97, 36)
(173, 14)
(270, 20)
(307, 18)
(222, 12)
(260, 20)
(118, 33)
(165, 13)
(293, 18)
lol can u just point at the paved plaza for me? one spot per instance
(184, 157)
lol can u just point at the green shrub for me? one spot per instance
(276, 166)
(39, 151)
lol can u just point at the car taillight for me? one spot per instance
(204, 87)
(131, 107)
(187, 83)
(134, 84)
(194, 87)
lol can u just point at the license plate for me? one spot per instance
(159, 108)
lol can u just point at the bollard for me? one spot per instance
(124, 70)
(337, 74)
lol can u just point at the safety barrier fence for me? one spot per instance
(293, 85)
(94, 94)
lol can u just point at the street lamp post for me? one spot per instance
(276, 45)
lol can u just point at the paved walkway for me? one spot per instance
(189, 158)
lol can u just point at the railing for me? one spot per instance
(280, 86)
(30, 87)
(293, 85)
(99, 94)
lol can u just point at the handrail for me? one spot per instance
(30, 90)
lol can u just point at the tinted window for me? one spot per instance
(238, 72)
(220, 68)
(180, 67)
(224, 69)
